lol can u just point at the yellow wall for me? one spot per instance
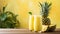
(22, 7)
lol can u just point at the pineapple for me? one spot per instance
(44, 13)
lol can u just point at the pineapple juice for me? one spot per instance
(31, 22)
(37, 23)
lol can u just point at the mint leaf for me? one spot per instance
(30, 13)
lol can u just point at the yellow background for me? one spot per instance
(22, 7)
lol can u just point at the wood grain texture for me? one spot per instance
(25, 31)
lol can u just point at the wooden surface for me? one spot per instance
(24, 31)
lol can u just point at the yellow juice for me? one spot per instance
(37, 23)
(31, 22)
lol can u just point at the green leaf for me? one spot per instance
(3, 17)
(40, 4)
(49, 4)
(30, 13)
(4, 8)
(8, 19)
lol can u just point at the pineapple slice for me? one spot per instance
(50, 28)
(44, 28)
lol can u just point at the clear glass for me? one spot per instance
(31, 22)
(35, 23)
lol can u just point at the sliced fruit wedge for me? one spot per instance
(44, 28)
(50, 28)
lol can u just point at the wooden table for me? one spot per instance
(25, 31)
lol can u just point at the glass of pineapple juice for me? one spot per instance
(31, 22)
(37, 23)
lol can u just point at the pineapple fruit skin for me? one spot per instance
(31, 22)
(37, 23)
(46, 21)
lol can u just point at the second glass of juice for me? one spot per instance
(37, 23)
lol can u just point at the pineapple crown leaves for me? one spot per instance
(45, 8)
(45, 4)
